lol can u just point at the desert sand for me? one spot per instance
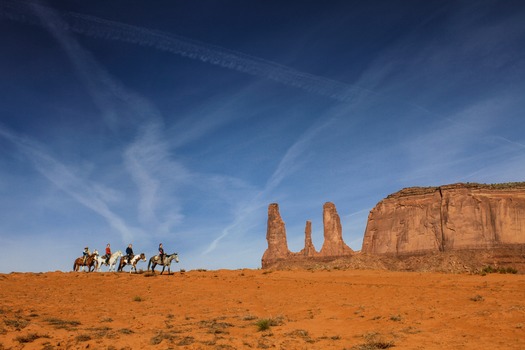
(262, 309)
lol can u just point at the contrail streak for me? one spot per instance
(101, 28)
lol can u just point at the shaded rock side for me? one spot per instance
(333, 244)
(276, 237)
(447, 218)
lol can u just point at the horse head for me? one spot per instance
(175, 257)
(142, 257)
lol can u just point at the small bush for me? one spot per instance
(263, 324)
(62, 324)
(126, 331)
(374, 341)
(17, 323)
(137, 298)
(395, 318)
(160, 337)
(477, 298)
(83, 337)
(490, 269)
(29, 338)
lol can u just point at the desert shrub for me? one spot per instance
(17, 323)
(249, 318)
(83, 337)
(126, 331)
(373, 341)
(396, 318)
(160, 337)
(186, 341)
(477, 298)
(29, 338)
(374, 345)
(263, 324)
(137, 298)
(490, 269)
(62, 324)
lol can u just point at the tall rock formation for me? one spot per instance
(276, 237)
(447, 218)
(333, 244)
(277, 252)
(309, 249)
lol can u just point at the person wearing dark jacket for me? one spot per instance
(161, 253)
(129, 252)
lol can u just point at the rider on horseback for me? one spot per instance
(129, 252)
(108, 253)
(85, 255)
(161, 253)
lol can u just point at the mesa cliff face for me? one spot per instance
(447, 218)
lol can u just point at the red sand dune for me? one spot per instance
(351, 309)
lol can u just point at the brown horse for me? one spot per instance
(90, 262)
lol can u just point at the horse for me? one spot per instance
(136, 258)
(166, 261)
(90, 262)
(112, 261)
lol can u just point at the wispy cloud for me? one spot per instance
(64, 177)
(290, 163)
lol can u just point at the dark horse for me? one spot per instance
(155, 260)
(90, 262)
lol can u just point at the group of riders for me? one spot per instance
(129, 253)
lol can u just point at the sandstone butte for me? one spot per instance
(461, 227)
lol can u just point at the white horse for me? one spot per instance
(112, 261)
(166, 261)
(133, 262)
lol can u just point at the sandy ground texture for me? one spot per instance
(262, 309)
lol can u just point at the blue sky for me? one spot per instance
(180, 121)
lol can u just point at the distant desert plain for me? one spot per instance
(262, 309)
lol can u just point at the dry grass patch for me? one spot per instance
(62, 324)
(156, 340)
(29, 338)
(18, 323)
(374, 341)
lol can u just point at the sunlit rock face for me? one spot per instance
(333, 244)
(447, 218)
(276, 237)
